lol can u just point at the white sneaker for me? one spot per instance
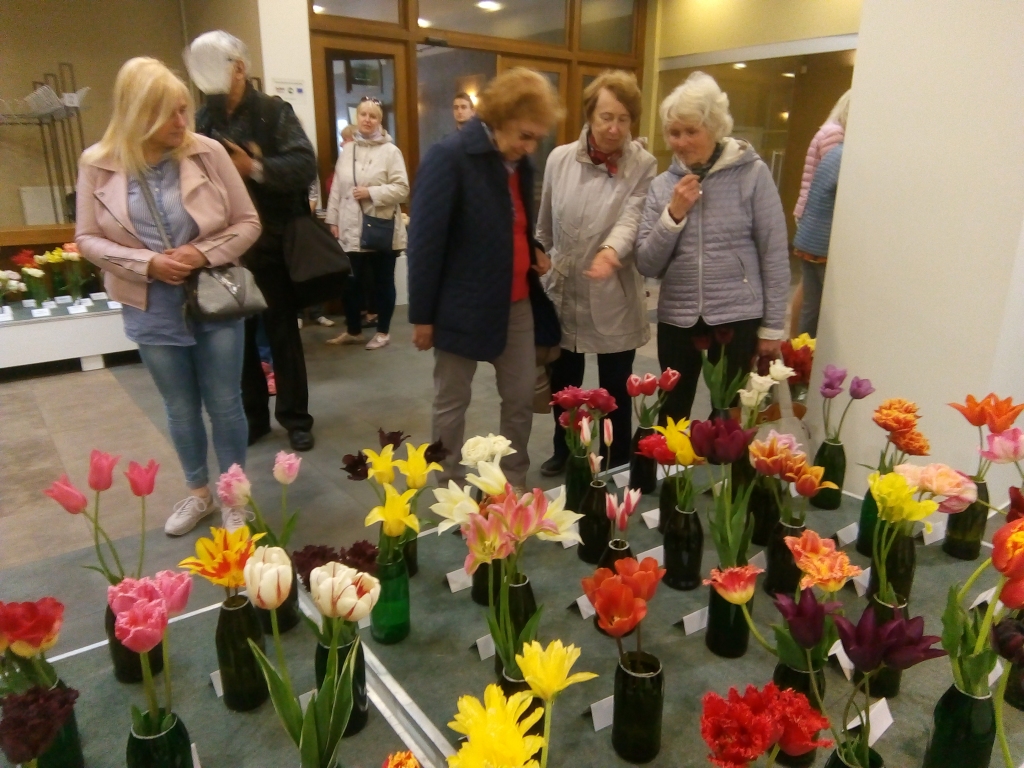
(234, 518)
(326, 322)
(300, 323)
(187, 514)
(379, 340)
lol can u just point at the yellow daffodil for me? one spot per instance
(382, 465)
(491, 479)
(221, 560)
(547, 670)
(415, 466)
(803, 340)
(56, 256)
(895, 499)
(395, 514)
(679, 442)
(496, 731)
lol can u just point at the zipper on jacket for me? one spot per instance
(700, 261)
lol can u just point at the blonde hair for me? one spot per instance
(375, 105)
(698, 100)
(620, 84)
(841, 110)
(519, 94)
(146, 95)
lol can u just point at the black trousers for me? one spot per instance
(613, 369)
(266, 261)
(676, 350)
(382, 266)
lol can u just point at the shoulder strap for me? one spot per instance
(151, 204)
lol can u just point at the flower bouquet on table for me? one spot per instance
(496, 730)
(1004, 446)
(343, 596)
(741, 729)
(798, 354)
(143, 606)
(10, 283)
(141, 480)
(831, 455)
(781, 464)
(35, 279)
(643, 473)
(583, 411)
(221, 561)
(73, 277)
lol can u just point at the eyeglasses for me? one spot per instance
(371, 99)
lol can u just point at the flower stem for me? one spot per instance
(547, 735)
(167, 674)
(757, 635)
(841, 420)
(94, 523)
(817, 696)
(41, 671)
(986, 624)
(974, 577)
(772, 756)
(147, 680)
(280, 651)
(622, 653)
(142, 540)
(1000, 725)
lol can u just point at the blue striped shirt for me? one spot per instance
(815, 229)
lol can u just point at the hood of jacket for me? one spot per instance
(735, 152)
(385, 138)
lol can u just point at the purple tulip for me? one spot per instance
(832, 381)
(864, 644)
(899, 644)
(829, 392)
(1008, 639)
(860, 388)
(806, 620)
(720, 441)
(909, 644)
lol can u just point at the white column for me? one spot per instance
(284, 37)
(925, 285)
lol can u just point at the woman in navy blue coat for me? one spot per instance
(473, 261)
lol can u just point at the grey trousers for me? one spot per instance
(814, 281)
(516, 371)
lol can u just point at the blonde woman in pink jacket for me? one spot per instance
(206, 213)
(828, 137)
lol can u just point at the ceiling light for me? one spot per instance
(789, 74)
(739, 65)
(489, 5)
(424, 22)
(318, 9)
(784, 115)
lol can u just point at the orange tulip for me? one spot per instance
(794, 468)
(642, 577)
(809, 483)
(1002, 414)
(912, 443)
(592, 583)
(735, 584)
(975, 411)
(821, 563)
(619, 610)
(769, 456)
(1012, 595)
(894, 421)
(1008, 550)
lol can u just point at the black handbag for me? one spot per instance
(317, 264)
(547, 330)
(377, 234)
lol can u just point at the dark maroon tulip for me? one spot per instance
(864, 644)
(723, 334)
(394, 439)
(32, 720)
(436, 452)
(860, 388)
(1016, 511)
(702, 342)
(356, 465)
(1008, 639)
(806, 619)
(908, 644)
(720, 441)
(312, 556)
(362, 556)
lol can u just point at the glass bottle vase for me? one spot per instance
(411, 554)
(617, 549)
(835, 760)
(728, 633)
(287, 613)
(389, 620)
(509, 687)
(577, 481)
(170, 749)
(637, 707)
(832, 456)
(684, 549)
(360, 703)
(899, 568)
(866, 526)
(964, 731)
(782, 574)
(594, 524)
(667, 498)
(643, 471)
(127, 667)
(241, 678)
(799, 680)
(965, 530)
(521, 607)
(481, 580)
(765, 511)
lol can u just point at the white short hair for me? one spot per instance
(209, 60)
(698, 100)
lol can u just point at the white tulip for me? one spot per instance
(779, 371)
(268, 577)
(500, 446)
(340, 592)
(749, 398)
(455, 505)
(585, 430)
(760, 384)
(475, 450)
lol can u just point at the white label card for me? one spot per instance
(995, 674)
(847, 535)
(603, 712)
(861, 582)
(304, 700)
(41, 312)
(759, 560)
(485, 647)
(425, 532)
(658, 553)
(113, 305)
(50, 304)
(364, 622)
(938, 533)
(585, 606)
(459, 580)
(554, 493)
(696, 621)
(987, 544)
(6, 310)
(985, 597)
(793, 491)
(571, 542)
(98, 296)
(195, 757)
(652, 517)
(622, 479)
(217, 687)
(6, 318)
(29, 303)
(77, 310)
(64, 299)
(879, 719)
(84, 302)
(845, 664)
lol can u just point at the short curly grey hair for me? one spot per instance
(698, 100)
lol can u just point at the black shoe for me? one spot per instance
(553, 466)
(257, 432)
(300, 439)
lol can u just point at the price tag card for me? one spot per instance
(304, 700)
(6, 318)
(603, 711)
(485, 647)
(847, 535)
(217, 687)
(113, 305)
(195, 757)
(759, 560)
(64, 299)
(77, 310)
(571, 542)
(996, 673)
(50, 304)
(84, 302)
(101, 296)
(29, 303)
(937, 533)
(585, 606)
(985, 597)
(658, 553)
(861, 582)
(364, 622)
(622, 479)
(554, 493)
(845, 664)
(987, 544)
(879, 718)
(459, 580)
(696, 621)
(652, 517)
(793, 491)
(425, 532)
(41, 312)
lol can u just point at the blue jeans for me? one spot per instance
(208, 373)
(382, 265)
(814, 281)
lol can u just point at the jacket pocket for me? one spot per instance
(615, 304)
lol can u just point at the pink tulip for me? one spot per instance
(1005, 447)
(142, 627)
(648, 384)
(234, 488)
(286, 467)
(523, 518)
(101, 469)
(142, 478)
(487, 541)
(122, 596)
(620, 513)
(175, 587)
(65, 494)
(586, 426)
(608, 431)
(595, 463)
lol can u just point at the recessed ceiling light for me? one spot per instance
(318, 9)
(789, 74)
(489, 5)
(739, 65)
(784, 115)
(424, 22)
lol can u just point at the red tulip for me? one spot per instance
(669, 379)
(141, 627)
(600, 400)
(633, 385)
(723, 334)
(1008, 550)
(702, 342)
(65, 494)
(800, 724)
(569, 398)
(31, 628)
(618, 609)
(142, 479)
(641, 577)
(1016, 511)
(740, 729)
(649, 384)
(101, 469)
(655, 447)
(1012, 594)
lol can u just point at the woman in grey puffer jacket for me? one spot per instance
(713, 230)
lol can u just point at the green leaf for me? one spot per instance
(167, 722)
(976, 668)
(114, 581)
(289, 527)
(954, 621)
(790, 652)
(342, 708)
(285, 704)
(530, 630)
(320, 634)
(139, 721)
(309, 748)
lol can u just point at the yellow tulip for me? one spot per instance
(491, 479)
(803, 340)
(547, 670)
(382, 465)
(895, 498)
(395, 514)
(221, 560)
(415, 466)
(679, 442)
(496, 736)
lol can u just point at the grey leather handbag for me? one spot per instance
(227, 292)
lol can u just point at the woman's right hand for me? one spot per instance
(335, 231)
(684, 194)
(167, 269)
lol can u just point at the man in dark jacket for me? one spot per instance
(474, 261)
(272, 153)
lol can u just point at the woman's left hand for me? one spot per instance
(361, 193)
(543, 265)
(769, 348)
(604, 265)
(189, 255)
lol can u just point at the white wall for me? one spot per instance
(284, 37)
(926, 268)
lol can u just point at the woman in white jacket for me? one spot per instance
(369, 179)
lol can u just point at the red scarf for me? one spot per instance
(610, 160)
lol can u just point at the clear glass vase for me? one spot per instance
(390, 620)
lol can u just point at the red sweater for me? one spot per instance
(520, 242)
